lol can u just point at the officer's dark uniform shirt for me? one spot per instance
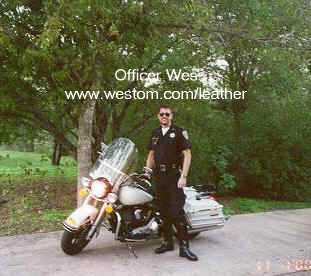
(168, 148)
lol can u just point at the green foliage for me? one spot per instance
(55, 216)
(259, 146)
(221, 161)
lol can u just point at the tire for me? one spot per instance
(73, 243)
(193, 235)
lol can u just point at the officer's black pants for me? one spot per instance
(171, 200)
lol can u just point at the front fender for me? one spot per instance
(80, 216)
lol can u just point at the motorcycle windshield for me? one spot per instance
(116, 161)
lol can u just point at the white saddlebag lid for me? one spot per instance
(205, 212)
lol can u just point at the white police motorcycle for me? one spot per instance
(123, 202)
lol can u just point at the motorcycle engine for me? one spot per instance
(134, 216)
(137, 222)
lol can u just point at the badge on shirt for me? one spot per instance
(155, 140)
(172, 135)
(185, 134)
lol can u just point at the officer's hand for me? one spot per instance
(182, 182)
(147, 173)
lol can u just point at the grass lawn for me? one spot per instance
(14, 165)
(40, 196)
(36, 205)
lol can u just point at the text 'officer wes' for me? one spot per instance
(169, 158)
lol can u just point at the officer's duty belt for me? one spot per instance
(166, 167)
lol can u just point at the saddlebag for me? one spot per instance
(202, 211)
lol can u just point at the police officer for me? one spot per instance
(169, 160)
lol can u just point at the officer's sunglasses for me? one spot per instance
(166, 114)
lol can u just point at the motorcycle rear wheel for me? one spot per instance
(73, 243)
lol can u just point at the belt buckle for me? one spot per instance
(162, 168)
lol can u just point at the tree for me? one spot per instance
(51, 47)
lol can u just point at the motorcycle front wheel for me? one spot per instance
(73, 243)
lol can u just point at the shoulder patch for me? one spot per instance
(155, 140)
(185, 134)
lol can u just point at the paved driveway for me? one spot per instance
(273, 243)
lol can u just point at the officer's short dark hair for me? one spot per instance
(166, 107)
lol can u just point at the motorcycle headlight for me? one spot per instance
(100, 188)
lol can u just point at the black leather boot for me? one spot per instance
(184, 251)
(182, 233)
(168, 242)
(165, 246)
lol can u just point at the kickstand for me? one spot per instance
(131, 249)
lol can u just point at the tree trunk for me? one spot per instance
(100, 124)
(57, 153)
(29, 145)
(237, 152)
(237, 129)
(115, 124)
(84, 149)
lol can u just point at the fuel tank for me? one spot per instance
(134, 195)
